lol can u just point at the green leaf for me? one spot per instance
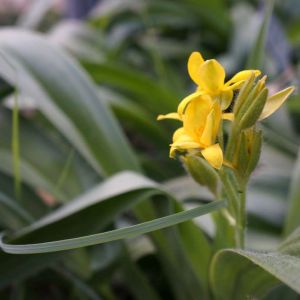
(33, 205)
(35, 14)
(150, 93)
(15, 268)
(81, 40)
(198, 249)
(293, 215)
(113, 235)
(82, 287)
(291, 244)
(135, 116)
(89, 213)
(238, 274)
(71, 104)
(137, 282)
(256, 57)
(12, 215)
(92, 211)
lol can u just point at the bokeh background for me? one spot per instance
(133, 54)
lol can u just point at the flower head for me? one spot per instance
(201, 112)
(209, 75)
(201, 122)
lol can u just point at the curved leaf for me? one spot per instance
(90, 212)
(67, 97)
(156, 97)
(240, 274)
(113, 235)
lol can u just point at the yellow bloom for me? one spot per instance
(201, 122)
(201, 111)
(209, 75)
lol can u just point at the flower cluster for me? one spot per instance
(202, 112)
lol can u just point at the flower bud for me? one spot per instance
(248, 152)
(202, 172)
(251, 116)
(243, 94)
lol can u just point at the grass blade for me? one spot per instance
(256, 57)
(113, 235)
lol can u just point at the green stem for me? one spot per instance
(242, 217)
(16, 147)
(230, 193)
(237, 207)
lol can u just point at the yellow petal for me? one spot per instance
(179, 132)
(182, 141)
(212, 76)
(173, 116)
(185, 144)
(214, 155)
(226, 98)
(235, 86)
(194, 63)
(212, 125)
(195, 116)
(275, 101)
(183, 104)
(207, 134)
(228, 116)
(242, 76)
(218, 117)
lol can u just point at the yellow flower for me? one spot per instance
(201, 111)
(209, 75)
(201, 122)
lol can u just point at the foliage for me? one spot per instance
(94, 166)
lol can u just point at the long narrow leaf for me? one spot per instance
(113, 235)
(256, 56)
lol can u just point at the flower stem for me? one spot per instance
(242, 217)
(236, 205)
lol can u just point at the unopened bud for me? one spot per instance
(248, 152)
(202, 172)
(253, 112)
(243, 94)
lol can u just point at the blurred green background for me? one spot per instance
(90, 78)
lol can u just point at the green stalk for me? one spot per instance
(16, 147)
(242, 218)
(236, 194)
(230, 192)
(237, 205)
